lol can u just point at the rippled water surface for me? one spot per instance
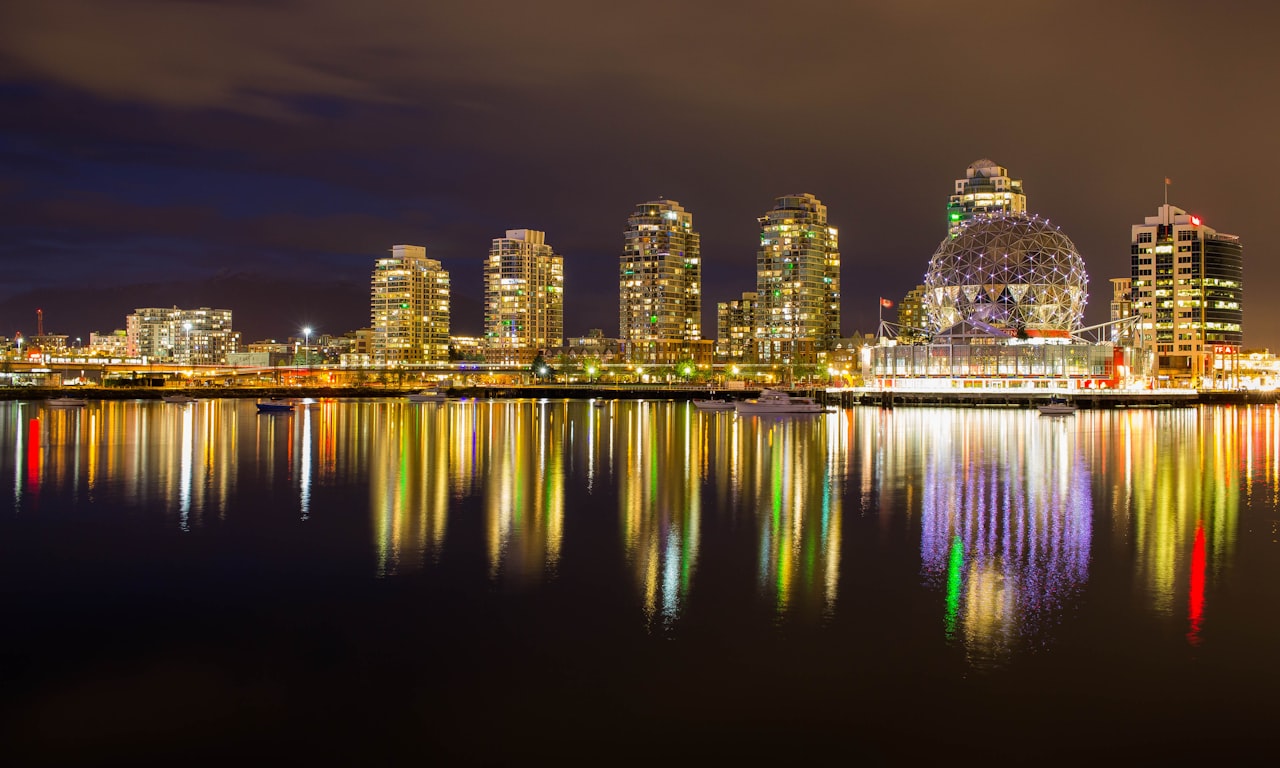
(550, 582)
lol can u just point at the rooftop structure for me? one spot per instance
(986, 188)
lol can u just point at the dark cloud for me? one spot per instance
(306, 137)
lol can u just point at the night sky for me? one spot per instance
(259, 155)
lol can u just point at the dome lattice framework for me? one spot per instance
(1008, 270)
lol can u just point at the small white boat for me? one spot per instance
(1056, 406)
(66, 402)
(428, 396)
(714, 405)
(178, 399)
(599, 403)
(774, 401)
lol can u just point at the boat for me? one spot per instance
(599, 403)
(66, 402)
(427, 396)
(775, 401)
(1056, 405)
(178, 399)
(712, 404)
(276, 406)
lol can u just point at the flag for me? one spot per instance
(885, 303)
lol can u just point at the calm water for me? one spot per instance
(536, 582)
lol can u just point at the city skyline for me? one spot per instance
(239, 171)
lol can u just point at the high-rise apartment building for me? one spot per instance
(797, 282)
(190, 336)
(660, 284)
(1187, 287)
(523, 298)
(985, 188)
(736, 329)
(911, 317)
(409, 308)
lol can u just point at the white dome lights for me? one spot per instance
(1011, 271)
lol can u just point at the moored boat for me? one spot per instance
(775, 401)
(714, 405)
(276, 406)
(66, 402)
(178, 399)
(1056, 406)
(427, 396)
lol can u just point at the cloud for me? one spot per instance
(249, 57)
(261, 57)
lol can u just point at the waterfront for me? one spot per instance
(522, 581)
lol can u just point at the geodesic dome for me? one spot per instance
(1012, 271)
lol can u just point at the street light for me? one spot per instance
(306, 346)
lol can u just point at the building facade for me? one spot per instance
(201, 336)
(660, 284)
(1121, 309)
(523, 298)
(985, 188)
(736, 329)
(594, 347)
(797, 282)
(912, 322)
(1188, 289)
(409, 308)
(112, 345)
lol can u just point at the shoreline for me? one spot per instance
(1086, 400)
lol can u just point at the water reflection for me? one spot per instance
(521, 449)
(407, 461)
(155, 455)
(793, 469)
(1005, 509)
(661, 454)
(1177, 501)
(1006, 522)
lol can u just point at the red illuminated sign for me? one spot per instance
(1195, 220)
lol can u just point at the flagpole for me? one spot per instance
(1166, 201)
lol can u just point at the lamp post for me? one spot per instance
(306, 347)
